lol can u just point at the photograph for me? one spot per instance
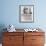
(26, 13)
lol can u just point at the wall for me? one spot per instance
(10, 13)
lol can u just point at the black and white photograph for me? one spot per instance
(26, 13)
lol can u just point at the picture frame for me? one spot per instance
(26, 13)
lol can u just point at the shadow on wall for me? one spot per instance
(2, 26)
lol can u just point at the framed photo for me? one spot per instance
(26, 13)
